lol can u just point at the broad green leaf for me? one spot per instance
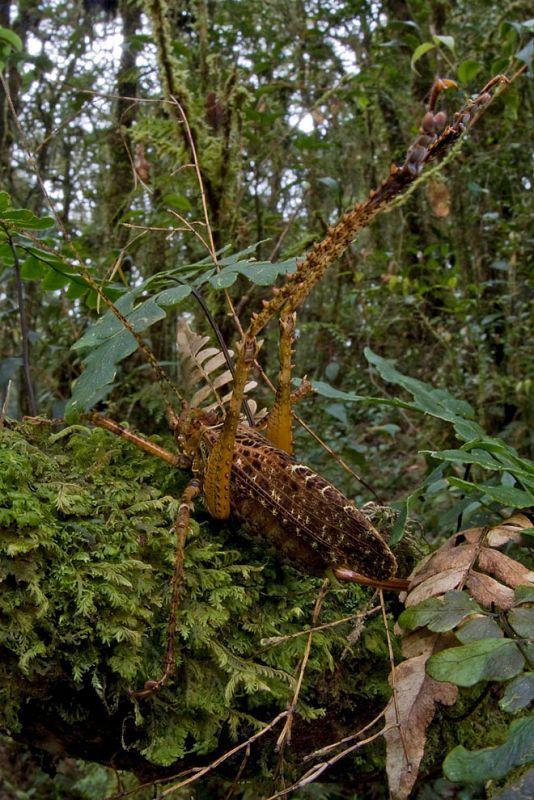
(439, 614)
(468, 70)
(493, 763)
(54, 279)
(505, 495)
(482, 459)
(463, 457)
(485, 660)
(504, 452)
(325, 390)
(172, 297)
(262, 273)
(436, 402)
(145, 315)
(96, 381)
(448, 41)
(24, 218)
(473, 630)
(524, 594)
(519, 693)
(420, 51)
(108, 325)
(522, 621)
(223, 279)
(5, 201)
(50, 259)
(178, 201)
(11, 38)
(32, 269)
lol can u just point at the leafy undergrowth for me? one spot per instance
(468, 622)
(86, 556)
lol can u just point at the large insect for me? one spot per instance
(251, 473)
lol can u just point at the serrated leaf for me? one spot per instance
(493, 763)
(485, 660)
(519, 693)
(5, 201)
(439, 614)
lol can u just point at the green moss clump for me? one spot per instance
(86, 556)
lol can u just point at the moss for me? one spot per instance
(86, 556)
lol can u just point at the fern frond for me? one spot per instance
(201, 370)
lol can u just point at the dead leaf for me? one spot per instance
(472, 535)
(438, 195)
(445, 559)
(503, 567)
(488, 592)
(422, 641)
(417, 696)
(509, 531)
(435, 585)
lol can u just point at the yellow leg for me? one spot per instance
(219, 467)
(181, 527)
(279, 424)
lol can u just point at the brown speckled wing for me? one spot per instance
(308, 507)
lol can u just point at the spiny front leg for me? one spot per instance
(181, 528)
(279, 428)
(219, 467)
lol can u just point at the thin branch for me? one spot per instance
(24, 332)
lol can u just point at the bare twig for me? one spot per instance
(26, 368)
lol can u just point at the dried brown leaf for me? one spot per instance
(424, 642)
(437, 584)
(488, 592)
(504, 568)
(417, 696)
(472, 535)
(460, 557)
(438, 195)
(509, 531)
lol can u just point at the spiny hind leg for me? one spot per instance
(219, 466)
(181, 528)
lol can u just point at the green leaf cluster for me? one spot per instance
(106, 343)
(492, 647)
(502, 475)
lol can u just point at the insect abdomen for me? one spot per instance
(302, 514)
